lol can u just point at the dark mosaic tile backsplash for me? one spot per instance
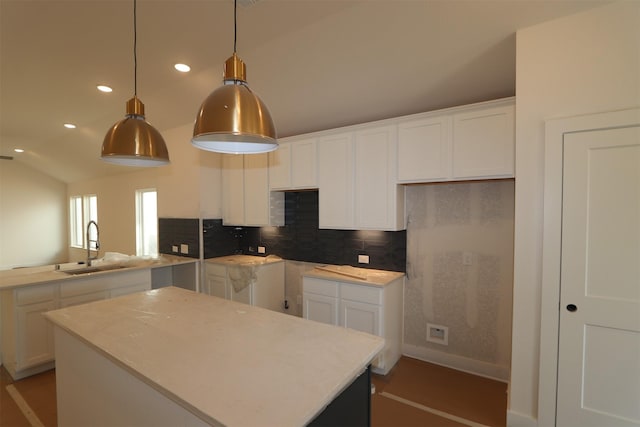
(177, 231)
(301, 240)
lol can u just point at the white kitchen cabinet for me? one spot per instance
(27, 337)
(266, 290)
(424, 149)
(462, 143)
(245, 192)
(293, 165)
(357, 180)
(373, 309)
(379, 200)
(484, 143)
(336, 181)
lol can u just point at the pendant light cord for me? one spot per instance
(135, 55)
(235, 24)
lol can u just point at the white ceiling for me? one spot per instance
(317, 64)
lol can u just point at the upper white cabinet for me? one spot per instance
(336, 181)
(484, 143)
(462, 143)
(293, 166)
(379, 201)
(357, 180)
(424, 149)
(245, 191)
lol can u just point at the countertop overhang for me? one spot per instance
(228, 363)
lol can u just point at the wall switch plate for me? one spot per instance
(261, 249)
(174, 248)
(184, 249)
(363, 259)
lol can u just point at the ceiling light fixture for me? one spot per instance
(18, 150)
(105, 89)
(183, 68)
(232, 119)
(133, 141)
(69, 125)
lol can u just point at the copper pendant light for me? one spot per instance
(233, 119)
(133, 141)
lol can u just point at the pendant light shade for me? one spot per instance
(233, 119)
(133, 141)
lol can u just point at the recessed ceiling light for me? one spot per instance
(183, 68)
(69, 125)
(103, 88)
(18, 150)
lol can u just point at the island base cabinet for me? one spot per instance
(121, 399)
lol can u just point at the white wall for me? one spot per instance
(584, 63)
(33, 217)
(116, 209)
(190, 187)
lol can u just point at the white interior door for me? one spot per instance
(599, 342)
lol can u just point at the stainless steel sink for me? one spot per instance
(93, 269)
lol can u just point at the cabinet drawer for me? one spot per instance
(35, 294)
(320, 287)
(368, 294)
(216, 269)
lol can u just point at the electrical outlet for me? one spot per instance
(437, 334)
(184, 249)
(174, 248)
(467, 258)
(261, 249)
(363, 259)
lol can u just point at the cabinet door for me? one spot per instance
(483, 143)
(424, 149)
(83, 299)
(232, 189)
(361, 316)
(280, 168)
(244, 295)
(303, 164)
(335, 182)
(34, 335)
(320, 308)
(217, 286)
(376, 193)
(256, 189)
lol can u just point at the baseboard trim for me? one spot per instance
(515, 419)
(459, 363)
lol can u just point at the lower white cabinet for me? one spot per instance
(373, 309)
(261, 285)
(27, 337)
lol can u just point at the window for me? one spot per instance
(82, 209)
(147, 222)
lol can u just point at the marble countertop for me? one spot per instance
(349, 274)
(36, 275)
(226, 362)
(244, 260)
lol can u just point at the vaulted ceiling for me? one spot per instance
(317, 64)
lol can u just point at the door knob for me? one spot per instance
(572, 308)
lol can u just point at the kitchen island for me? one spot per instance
(175, 357)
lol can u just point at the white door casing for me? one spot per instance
(598, 244)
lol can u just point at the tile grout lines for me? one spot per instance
(431, 410)
(24, 406)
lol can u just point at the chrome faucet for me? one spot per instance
(89, 241)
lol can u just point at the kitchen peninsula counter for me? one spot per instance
(27, 276)
(130, 360)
